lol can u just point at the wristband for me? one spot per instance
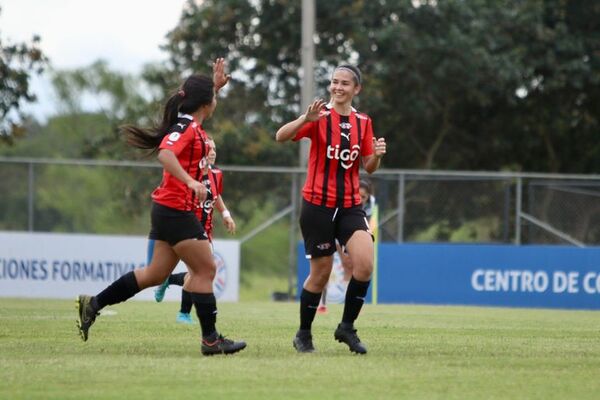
(226, 214)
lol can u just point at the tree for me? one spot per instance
(17, 62)
(483, 84)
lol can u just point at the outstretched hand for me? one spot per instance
(220, 78)
(315, 110)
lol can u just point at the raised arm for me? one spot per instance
(289, 130)
(220, 78)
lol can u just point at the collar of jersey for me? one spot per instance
(329, 106)
(188, 116)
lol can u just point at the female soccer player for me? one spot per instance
(212, 177)
(181, 144)
(331, 208)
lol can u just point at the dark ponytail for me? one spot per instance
(196, 91)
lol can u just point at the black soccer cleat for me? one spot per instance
(87, 315)
(350, 337)
(303, 342)
(221, 345)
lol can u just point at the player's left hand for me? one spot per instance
(379, 147)
(229, 225)
(220, 78)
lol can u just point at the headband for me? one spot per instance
(352, 72)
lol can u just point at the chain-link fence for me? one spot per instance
(109, 197)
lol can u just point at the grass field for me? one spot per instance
(414, 352)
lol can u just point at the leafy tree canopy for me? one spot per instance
(18, 61)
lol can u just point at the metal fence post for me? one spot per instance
(292, 236)
(400, 216)
(518, 205)
(30, 190)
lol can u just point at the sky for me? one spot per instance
(75, 33)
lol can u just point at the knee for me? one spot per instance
(362, 270)
(208, 271)
(145, 279)
(320, 279)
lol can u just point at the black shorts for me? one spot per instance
(321, 226)
(173, 226)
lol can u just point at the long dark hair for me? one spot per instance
(196, 91)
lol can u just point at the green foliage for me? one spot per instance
(88, 200)
(482, 84)
(477, 85)
(479, 230)
(18, 61)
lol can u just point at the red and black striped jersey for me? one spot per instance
(337, 142)
(189, 143)
(213, 180)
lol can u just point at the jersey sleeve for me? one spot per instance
(308, 130)
(219, 182)
(177, 141)
(366, 146)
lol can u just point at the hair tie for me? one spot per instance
(181, 93)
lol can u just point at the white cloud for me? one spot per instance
(74, 33)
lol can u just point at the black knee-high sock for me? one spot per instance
(177, 279)
(355, 298)
(120, 290)
(309, 302)
(186, 302)
(206, 310)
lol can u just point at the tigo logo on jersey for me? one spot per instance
(207, 205)
(346, 156)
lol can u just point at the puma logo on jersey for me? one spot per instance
(179, 124)
(345, 156)
(346, 135)
(206, 183)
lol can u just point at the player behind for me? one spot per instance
(212, 178)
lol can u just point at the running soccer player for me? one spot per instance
(181, 143)
(212, 178)
(341, 138)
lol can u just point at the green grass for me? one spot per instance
(414, 352)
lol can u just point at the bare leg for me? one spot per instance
(164, 260)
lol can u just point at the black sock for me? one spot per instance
(120, 290)
(206, 310)
(309, 302)
(177, 279)
(355, 298)
(186, 302)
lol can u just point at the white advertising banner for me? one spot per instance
(50, 265)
